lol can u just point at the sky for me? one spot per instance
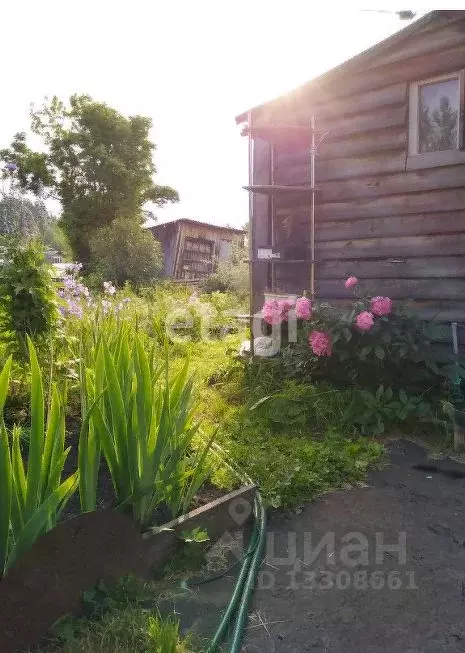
(190, 66)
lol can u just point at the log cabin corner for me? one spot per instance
(362, 172)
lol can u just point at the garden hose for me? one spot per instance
(243, 589)
(250, 581)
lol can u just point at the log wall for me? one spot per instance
(394, 222)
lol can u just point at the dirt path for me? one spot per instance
(410, 600)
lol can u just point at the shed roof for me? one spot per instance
(199, 223)
(358, 62)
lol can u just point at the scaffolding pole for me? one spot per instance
(251, 243)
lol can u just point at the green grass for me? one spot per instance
(130, 629)
(121, 618)
(294, 445)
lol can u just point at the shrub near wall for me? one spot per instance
(384, 352)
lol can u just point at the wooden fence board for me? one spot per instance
(403, 247)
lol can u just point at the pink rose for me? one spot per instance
(276, 311)
(285, 306)
(351, 282)
(271, 312)
(303, 308)
(381, 306)
(365, 321)
(320, 343)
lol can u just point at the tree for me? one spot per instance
(123, 251)
(437, 130)
(98, 164)
(22, 218)
(446, 119)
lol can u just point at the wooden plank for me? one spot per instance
(435, 159)
(403, 225)
(272, 190)
(418, 44)
(319, 95)
(442, 311)
(398, 288)
(432, 201)
(383, 140)
(438, 310)
(342, 168)
(395, 138)
(216, 517)
(393, 184)
(445, 61)
(371, 101)
(398, 248)
(351, 77)
(432, 267)
(364, 122)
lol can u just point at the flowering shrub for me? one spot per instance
(381, 306)
(320, 342)
(369, 344)
(364, 320)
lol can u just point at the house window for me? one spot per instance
(436, 114)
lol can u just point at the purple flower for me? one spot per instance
(106, 305)
(81, 289)
(69, 283)
(109, 288)
(74, 308)
(11, 167)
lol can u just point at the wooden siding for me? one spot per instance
(192, 250)
(401, 230)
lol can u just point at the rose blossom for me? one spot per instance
(275, 312)
(271, 312)
(285, 306)
(351, 282)
(364, 320)
(320, 342)
(381, 306)
(303, 308)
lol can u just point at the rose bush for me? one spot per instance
(369, 343)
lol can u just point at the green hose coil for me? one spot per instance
(237, 609)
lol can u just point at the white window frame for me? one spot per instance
(414, 115)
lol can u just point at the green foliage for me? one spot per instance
(231, 276)
(197, 535)
(27, 296)
(370, 363)
(130, 629)
(54, 237)
(383, 410)
(291, 460)
(142, 419)
(31, 498)
(98, 164)
(33, 170)
(21, 218)
(124, 252)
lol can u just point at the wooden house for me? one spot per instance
(192, 249)
(362, 172)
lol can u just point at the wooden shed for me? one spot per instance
(362, 172)
(192, 249)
